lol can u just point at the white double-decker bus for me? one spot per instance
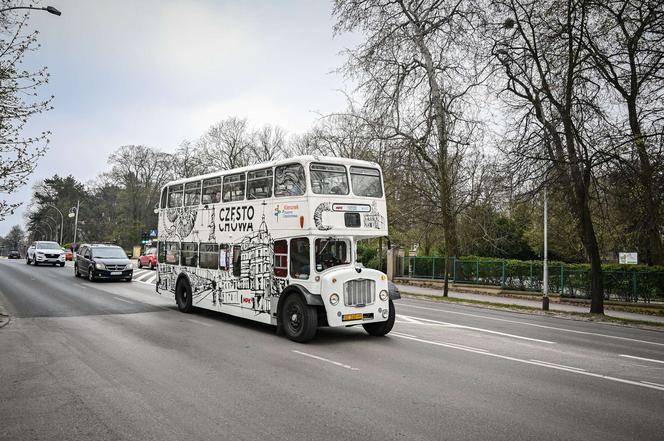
(277, 243)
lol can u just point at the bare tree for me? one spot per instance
(226, 145)
(267, 143)
(188, 160)
(18, 104)
(416, 70)
(554, 107)
(625, 42)
(140, 171)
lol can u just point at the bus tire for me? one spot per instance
(379, 329)
(299, 320)
(183, 296)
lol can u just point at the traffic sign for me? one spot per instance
(153, 233)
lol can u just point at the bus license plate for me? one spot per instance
(116, 273)
(349, 317)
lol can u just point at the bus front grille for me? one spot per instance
(359, 292)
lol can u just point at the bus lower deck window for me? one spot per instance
(300, 258)
(281, 258)
(189, 254)
(208, 256)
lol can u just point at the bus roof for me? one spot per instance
(304, 159)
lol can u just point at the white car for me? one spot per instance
(45, 252)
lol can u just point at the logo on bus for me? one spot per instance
(236, 218)
(287, 211)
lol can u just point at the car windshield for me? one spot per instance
(48, 246)
(109, 253)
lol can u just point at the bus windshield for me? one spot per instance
(366, 182)
(331, 252)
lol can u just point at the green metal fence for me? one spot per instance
(625, 285)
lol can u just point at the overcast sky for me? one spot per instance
(156, 72)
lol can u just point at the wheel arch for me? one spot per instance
(296, 289)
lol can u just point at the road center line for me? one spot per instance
(472, 328)
(124, 300)
(533, 324)
(534, 363)
(654, 384)
(641, 358)
(336, 363)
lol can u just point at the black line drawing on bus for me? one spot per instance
(318, 215)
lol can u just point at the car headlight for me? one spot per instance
(129, 266)
(383, 295)
(40, 253)
(334, 299)
(100, 266)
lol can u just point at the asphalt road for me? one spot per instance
(116, 361)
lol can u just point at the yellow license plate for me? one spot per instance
(349, 317)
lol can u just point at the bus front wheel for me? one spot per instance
(183, 296)
(299, 320)
(379, 329)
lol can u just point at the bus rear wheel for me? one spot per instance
(299, 320)
(183, 296)
(379, 329)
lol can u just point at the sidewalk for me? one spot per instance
(558, 307)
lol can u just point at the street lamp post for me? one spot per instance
(73, 211)
(49, 9)
(62, 220)
(545, 272)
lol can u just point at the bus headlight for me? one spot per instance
(334, 299)
(383, 295)
(385, 313)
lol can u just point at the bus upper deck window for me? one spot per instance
(289, 180)
(233, 187)
(328, 179)
(211, 191)
(192, 193)
(164, 197)
(259, 184)
(366, 182)
(175, 196)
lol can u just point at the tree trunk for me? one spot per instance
(654, 253)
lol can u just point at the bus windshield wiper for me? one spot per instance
(327, 242)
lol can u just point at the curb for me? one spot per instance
(521, 309)
(4, 317)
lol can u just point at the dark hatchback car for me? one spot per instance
(103, 262)
(13, 254)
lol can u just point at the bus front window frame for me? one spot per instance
(357, 172)
(324, 253)
(321, 174)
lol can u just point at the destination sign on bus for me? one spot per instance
(351, 207)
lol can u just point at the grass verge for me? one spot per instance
(538, 311)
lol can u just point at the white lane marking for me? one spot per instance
(336, 363)
(472, 328)
(147, 283)
(402, 333)
(145, 276)
(654, 384)
(641, 358)
(399, 334)
(124, 300)
(199, 322)
(534, 324)
(559, 365)
(409, 319)
(550, 366)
